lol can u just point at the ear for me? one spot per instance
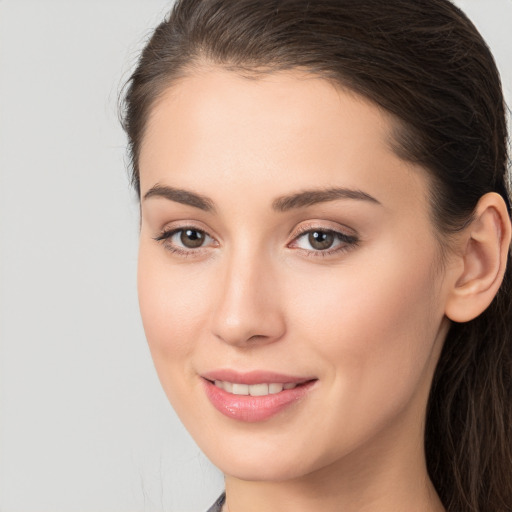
(482, 256)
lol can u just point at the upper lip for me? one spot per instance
(253, 377)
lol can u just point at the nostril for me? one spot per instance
(257, 337)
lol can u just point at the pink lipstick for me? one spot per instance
(254, 396)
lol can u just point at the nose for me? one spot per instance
(249, 308)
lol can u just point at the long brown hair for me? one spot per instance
(424, 62)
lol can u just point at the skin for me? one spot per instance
(367, 321)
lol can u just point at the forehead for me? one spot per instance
(296, 104)
(285, 130)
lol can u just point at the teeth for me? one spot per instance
(262, 389)
(240, 389)
(275, 388)
(258, 389)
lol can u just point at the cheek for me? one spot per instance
(375, 321)
(172, 306)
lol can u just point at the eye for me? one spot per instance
(185, 240)
(191, 238)
(323, 242)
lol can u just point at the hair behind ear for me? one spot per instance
(469, 414)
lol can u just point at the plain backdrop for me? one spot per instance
(84, 425)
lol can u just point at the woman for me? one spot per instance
(325, 233)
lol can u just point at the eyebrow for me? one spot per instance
(311, 197)
(281, 204)
(182, 196)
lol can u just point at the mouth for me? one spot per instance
(257, 396)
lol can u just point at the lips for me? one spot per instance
(254, 396)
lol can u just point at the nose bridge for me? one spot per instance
(248, 308)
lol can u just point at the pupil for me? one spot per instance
(321, 240)
(191, 238)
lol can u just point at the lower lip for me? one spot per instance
(254, 408)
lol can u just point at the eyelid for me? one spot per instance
(169, 233)
(322, 226)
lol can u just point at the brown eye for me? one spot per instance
(324, 242)
(321, 240)
(192, 238)
(185, 241)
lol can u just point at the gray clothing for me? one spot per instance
(217, 506)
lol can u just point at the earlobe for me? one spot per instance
(484, 250)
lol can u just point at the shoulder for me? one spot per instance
(217, 506)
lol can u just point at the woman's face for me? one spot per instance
(283, 244)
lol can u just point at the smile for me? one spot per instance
(256, 396)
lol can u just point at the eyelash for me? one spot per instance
(348, 241)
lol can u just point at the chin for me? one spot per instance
(260, 465)
(268, 471)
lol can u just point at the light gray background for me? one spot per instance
(84, 425)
